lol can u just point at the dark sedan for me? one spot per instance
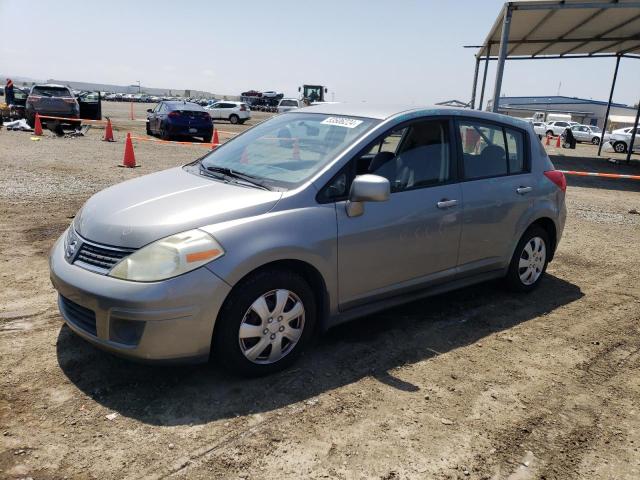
(173, 118)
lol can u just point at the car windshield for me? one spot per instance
(288, 149)
(51, 92)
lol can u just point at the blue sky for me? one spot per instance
(376, 51)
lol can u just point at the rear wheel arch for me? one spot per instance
(550, 227)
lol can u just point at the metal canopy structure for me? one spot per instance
(559, 29)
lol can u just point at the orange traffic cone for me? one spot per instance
(216, 141)
(296, 150)
(548, 142)
(37, 130)
(129, 159)
(108, 132)
(558, 142)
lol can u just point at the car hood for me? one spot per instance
(140, 211)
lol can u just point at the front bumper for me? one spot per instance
(170, 320)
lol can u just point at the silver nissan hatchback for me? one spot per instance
(304, 221)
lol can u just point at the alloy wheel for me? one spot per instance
(532, 260)
(271, 327)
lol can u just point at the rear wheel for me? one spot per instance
(549, 133)
(234, 119)
(529, 261)
(595, 140)
(265, 323)
(207, 138)
(164, 132)
(148, 129)
(620, 147)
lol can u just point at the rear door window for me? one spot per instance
(483, 149)
(515, 150)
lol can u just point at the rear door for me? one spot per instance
(90, 105)
(497, 189)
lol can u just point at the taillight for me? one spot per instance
(33, 99)
(174, 114)
(206, 116)
(558, 178)
(243, 108)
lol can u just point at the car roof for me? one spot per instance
(179, 104)
(383, 112)
(51, 85)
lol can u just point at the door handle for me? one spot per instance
(523, 190)
(447, 203)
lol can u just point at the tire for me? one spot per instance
(234, 119)
(164, 134)
(620, 147)
(207, 138)
(595, 140)
(527, 277)
(241, 122)
(234, 352)
(148, 129)
(550, 132)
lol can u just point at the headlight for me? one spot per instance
(71, 243)
(169, 257)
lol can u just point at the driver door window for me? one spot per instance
(415, 156)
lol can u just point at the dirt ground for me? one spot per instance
(474, 384)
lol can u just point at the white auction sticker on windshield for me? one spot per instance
(342, 122)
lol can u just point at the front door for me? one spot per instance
(90, 105)
(497, 188)
(401, 244)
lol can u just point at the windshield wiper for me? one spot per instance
(233, 174)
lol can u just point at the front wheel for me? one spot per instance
(265, 323)
(529, 261)
(234, 119)
(620, 147)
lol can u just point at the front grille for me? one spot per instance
(80, 316)
(99, 258)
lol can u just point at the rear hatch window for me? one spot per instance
(52, 92)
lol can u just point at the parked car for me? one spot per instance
(235, 112)
(169, 119)
(18, 107)
(588, 133)
(620, 142)
(287, 104)
(557, 127)
(308, 219)
(540, 128)
(52, 100)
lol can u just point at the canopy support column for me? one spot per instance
(475, 85)
(634, 132)
(484, 76)
(606, 115)
(504, 43)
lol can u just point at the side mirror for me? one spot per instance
(149, 110)
(367, 188)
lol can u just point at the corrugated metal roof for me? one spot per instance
(568, 27)
(555, 100)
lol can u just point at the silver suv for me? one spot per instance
(304, 221)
